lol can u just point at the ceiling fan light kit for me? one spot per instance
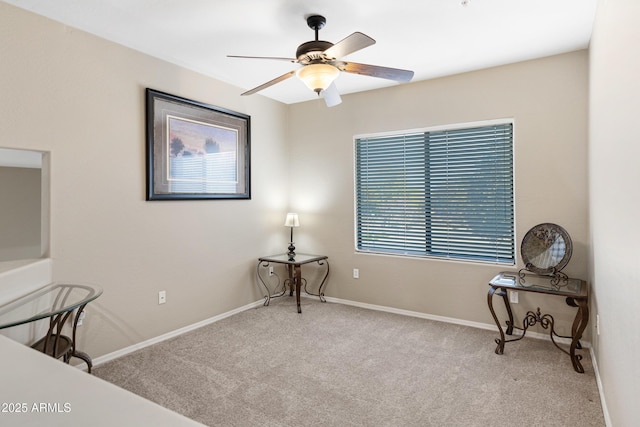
(320, 64)
(318, 77)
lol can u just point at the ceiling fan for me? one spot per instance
(321, 63)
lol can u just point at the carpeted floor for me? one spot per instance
(337, 365)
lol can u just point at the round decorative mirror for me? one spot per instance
(546, 249)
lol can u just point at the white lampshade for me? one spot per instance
(318, 77)
(292, 220)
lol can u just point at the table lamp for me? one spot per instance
(291, 221)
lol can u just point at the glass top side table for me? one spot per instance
(56, 301)
(574, 291)
(295, 279)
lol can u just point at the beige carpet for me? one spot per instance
(337, 365)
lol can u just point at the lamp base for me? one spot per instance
(291, 253)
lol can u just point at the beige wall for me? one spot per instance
(81, 98)
(614, 150)
(546, 98)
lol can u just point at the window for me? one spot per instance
(437, 193)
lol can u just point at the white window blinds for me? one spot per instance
(445, 193)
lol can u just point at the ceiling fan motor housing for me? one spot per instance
(312, 51)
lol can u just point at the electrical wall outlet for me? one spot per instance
(356, 273)
(162, 297)
(271, 271)
(513, 297)
(81, 316)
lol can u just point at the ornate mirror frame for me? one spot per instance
(546, 249)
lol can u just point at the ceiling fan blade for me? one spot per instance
(350, 44)
(331, 96)
(269, 83)
(376, 71)
(277, 58)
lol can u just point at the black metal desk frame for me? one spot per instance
(575, 294)
(295, 279)
(58, 302)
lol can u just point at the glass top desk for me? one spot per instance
(573, 290)
(295, 278)
(57, 302)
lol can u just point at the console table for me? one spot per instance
(57, 302)
(573, 290)
(295, 278)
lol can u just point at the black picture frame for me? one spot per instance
(195, 151)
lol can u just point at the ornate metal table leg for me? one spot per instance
(576, 321)
(74, 352)
(84, 356)
(582, 317)
(320, 293)
(291, 278)
(267, 297)
(503, 294)
(500, 342)
(324, 281)
(298, 281)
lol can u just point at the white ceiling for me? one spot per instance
(433, 38)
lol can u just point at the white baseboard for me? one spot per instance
(124, 351)
(603, 402)
(491, 327)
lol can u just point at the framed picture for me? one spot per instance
(195, 150)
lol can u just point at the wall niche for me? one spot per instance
(24, 204)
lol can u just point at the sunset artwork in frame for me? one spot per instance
(195, 150)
